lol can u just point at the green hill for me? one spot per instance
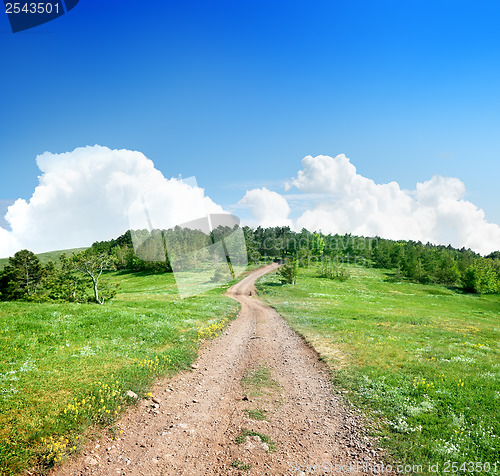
(46, 257)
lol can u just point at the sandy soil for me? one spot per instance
(192, 430)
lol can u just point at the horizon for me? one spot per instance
(369, 239)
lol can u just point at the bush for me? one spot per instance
(481, 278)
(288, 272)
(334, 271)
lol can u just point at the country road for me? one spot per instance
(258, 368)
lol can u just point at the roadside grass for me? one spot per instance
(423, 360)
(66, 367)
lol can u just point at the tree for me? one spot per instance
(332, 270)
(22, 275)
(381, 254)
(252, 245)
(318, 244)
(494, 256)
(288, 271)
(481, 278)
(447, 270)
(124, 256)
(92, 264)
(66, 283)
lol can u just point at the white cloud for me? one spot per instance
(7, 243)
(436, 211)
(268, 207)
(85, 195)
(95, 193)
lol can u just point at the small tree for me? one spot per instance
(92, 264)
(332, 270)
(288, 271)
(64, 282)
(318, 244)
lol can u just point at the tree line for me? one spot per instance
(412, 260)
(81, 276)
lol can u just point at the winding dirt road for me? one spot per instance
(257, 368)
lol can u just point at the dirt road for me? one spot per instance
(257, 377)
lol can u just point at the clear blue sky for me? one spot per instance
(238, 92)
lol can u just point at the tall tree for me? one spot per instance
(24, 274)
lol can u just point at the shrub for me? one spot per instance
(288, 272)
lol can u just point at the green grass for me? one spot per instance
(54, 357)
(46, 257)
(240, 465)
(257, 381)
(264, 438)
(422, 360)
(256, 414)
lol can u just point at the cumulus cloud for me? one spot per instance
(95, 193)
(435, 211)
(87, 194)
(268, 207)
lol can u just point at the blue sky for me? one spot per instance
(237, 93)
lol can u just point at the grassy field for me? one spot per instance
(65, 368)
(46, 257)
(423, 360)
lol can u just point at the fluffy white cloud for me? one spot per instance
(95, 193)
(436, 211)
(7, 243)
(86, 195)
(268, 207)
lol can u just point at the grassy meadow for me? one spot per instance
(65, 368)
(422, 360)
